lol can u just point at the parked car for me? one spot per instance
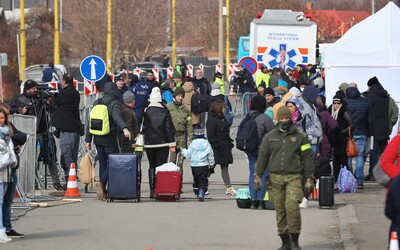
(143, 66)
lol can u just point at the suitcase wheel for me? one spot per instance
(109, 200)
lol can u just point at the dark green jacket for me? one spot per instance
(286, 153)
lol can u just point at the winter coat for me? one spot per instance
(264, 124)
(360, 112)
(133, 126)
(312, 122)
(181, 119)
(340, 135)
(393, 113)
(218, 136)
(5, 152)
(167, 94)
(66, 115)
(117, 124)
(49, 74)
(379, 100)
(142, 91)
(262, 77)
(286, 153)
(249, 86)
(158, 127)
(328, 125)
(392, 208)
(273, 80)
(390, 160)
(202, 86)
(188, 87)
(200, 153)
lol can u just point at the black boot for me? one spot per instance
(152, 181)
(254, 204)
(294, 241)
(285, 242)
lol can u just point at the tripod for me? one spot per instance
(48, 151)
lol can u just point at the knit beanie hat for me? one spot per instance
(179, 91)
(283, 112)
(155, 95)
(343, 86)
(269, 91)
(216, 89)
(128, 97)
(337, 98)
(176, 75)
(372, 81)
(258, 103)
(29, 84)
(199, 133)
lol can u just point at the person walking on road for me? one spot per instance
(221, 142)
(287, 153)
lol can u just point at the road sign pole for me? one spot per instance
(1, 81)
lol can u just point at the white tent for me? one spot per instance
(370, 48)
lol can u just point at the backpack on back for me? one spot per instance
(99, 119)
(247, 136)
(199, 103)
(228, 114)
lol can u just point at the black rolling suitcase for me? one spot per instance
(326, 191)
(124, 177)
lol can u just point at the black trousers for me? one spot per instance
(157, 156)
(200, 177)
(338, 161)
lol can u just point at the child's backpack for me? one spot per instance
(247, 135)
(228, 113)
(99, 120)
(346, 183)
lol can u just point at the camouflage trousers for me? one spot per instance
(287, 193)
(180, 143)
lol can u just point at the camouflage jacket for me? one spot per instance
(181, 119)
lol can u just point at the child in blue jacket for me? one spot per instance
(202, 156)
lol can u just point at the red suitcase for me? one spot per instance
(168, 186)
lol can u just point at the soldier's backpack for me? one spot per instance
(99, 119)
(247, 135)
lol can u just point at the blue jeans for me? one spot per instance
(245, 102)
(8, 200)
(360, 142)
(103, 152)
(255, 194)
(315, 148)
(3, 189)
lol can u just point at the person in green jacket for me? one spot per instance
(287, 153)
(218, 79)
(263, 76)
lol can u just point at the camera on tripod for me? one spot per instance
(45, 92)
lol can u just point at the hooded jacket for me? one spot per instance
(313, 124)
(379, 100)
(360, 112)
(200, 153)
(111, 98)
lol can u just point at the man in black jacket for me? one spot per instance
(360, 110)
(108, 144)
(67, 121)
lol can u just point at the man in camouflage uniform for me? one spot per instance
(182, 121)
(288, 154)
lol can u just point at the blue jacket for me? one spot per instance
(200, 153)
(167, 94)
(360, 112)
(142, 91)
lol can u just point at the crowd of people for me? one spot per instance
(185, 117)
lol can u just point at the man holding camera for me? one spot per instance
(67, 121)
(37, 103)
(245, 82)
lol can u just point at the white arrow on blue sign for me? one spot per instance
(93, 68)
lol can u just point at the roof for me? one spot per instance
(14, 15)
(340, 21)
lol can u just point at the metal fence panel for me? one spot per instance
(27, 164)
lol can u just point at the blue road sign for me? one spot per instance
(249, 63)
(93, 68)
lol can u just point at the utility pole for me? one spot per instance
(56, 33)
(109, 37)
(372, 7)
(221, 36)
(227, 42)
(23, 42)
(173, 31)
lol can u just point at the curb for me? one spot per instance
(347, 216)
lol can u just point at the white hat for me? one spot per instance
(216, 89)
(295, 91)
(155, 95)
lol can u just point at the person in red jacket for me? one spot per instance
(391, 158)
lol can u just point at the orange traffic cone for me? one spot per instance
(394, 241)
(72, 186)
